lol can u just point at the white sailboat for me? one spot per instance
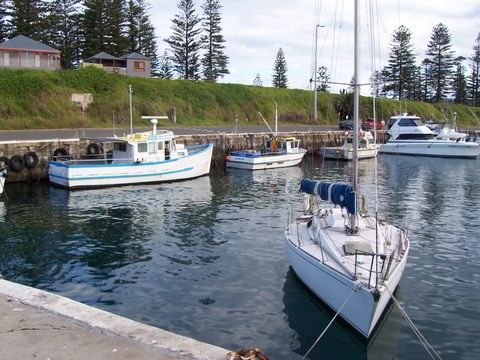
(351, 260)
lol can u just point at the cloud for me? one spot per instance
(255, 30)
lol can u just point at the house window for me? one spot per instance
(6, 59)
(37, 60)
(139, 65)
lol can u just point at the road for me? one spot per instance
(47, 134)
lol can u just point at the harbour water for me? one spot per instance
(205, 258)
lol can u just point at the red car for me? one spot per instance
(368, 125)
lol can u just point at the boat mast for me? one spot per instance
(315, 78)
(131, 111)
(356, 97)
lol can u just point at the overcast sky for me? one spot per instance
(254, 30)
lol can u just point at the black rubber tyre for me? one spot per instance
(31, 159)
(94, 149)
(17, 163)
(60, 153)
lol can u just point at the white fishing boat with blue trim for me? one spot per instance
(278, 152)
(148, 157)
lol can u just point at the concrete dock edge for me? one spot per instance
(172, 345)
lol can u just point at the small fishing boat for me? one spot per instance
(410, 136)
(278, 152)
(350, 259)
(367, 148)
(148, 157)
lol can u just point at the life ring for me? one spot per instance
(31, 159)
(17, 163)
(94, 149)
(4, 161)
(59, 153)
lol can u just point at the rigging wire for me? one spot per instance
(329, 324)
(429, 348)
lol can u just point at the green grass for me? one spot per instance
(36, 99)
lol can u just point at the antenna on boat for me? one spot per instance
(276, 119)
(131, 111)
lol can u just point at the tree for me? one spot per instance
(116, 42)
(279, 79)
(63, 30)
(141, 33)
(257, 81)
(323, 78)
(214, 60)
(165, 67)
(441, 59)
(94, 27)
(3, 20)
(459, 85)
(27, 17)
(399, 73)
(184, 41)
(473, 85)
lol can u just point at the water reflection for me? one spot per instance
(307, 317)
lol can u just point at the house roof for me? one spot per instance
(25, 43)
(134, 55)
(102, 56)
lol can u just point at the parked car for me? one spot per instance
(369, 123)
(346, 124)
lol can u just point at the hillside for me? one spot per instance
(35, 99)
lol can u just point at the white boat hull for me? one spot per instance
(341, 153)
(2, 183)
(270, 161)
(333, 280)
(100, 175)
(436, 148)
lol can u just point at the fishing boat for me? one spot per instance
(410, 136)
(278, 152)
(148, 157)
(348, 258)
(367, 147)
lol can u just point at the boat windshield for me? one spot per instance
(410, 122)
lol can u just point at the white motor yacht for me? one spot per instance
(410, 136)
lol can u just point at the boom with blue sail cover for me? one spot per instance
(338, 193)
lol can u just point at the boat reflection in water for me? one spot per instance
(308, 317)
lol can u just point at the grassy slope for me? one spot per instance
(35, 99)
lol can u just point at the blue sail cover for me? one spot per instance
(337, 193)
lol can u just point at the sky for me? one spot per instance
(254, 30)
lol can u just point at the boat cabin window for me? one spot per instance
(410, 122)
(142, 147)
(295, 144)
(349, 140)
(160, 146)
(415, 136)
(151, 148)
(120, 147)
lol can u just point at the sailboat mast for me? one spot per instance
(356, 97)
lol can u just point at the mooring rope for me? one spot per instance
(329, 324)
(429, 348)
